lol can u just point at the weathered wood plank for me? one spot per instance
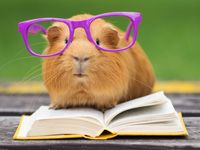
(189, 104)
(9, 124)
(16, 104)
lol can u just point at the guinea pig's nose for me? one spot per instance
(81, 59)
(80, 65)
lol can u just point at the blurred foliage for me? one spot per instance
(169, 33)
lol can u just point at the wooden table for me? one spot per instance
(13, 106)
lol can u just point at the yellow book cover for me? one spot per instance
(109, 135)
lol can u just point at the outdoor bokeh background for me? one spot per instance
(169, 33)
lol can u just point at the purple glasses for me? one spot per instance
(34, 32)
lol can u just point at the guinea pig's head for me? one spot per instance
(82, 67)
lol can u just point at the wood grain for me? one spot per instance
(13, 106)
(188, 104)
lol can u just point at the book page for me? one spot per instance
(45, 113)
(159, 128)
(156, 113)
(149, 100)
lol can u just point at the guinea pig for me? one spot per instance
(104, 78)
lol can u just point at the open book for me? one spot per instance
(149, 115)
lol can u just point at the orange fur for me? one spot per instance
(111, 77)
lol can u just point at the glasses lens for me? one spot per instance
(53, 35)
(113, 32)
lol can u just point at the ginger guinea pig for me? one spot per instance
(84, 76)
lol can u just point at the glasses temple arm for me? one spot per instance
(35, 28)
(128, 31)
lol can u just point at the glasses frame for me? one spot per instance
(23, 27)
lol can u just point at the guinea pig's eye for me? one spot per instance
(66, 41)
(97, 41)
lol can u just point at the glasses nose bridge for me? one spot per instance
(79, 24)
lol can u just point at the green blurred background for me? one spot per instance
(169, 33)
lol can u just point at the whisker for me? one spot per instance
(142, 83)
(30, 72)
(38, 43)
(12, 61)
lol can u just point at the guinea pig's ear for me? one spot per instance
(53, 33)
(110, 37)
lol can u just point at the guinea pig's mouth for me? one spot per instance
(80, 75)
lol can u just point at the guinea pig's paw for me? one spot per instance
(55, 106)
(59, 106)
(105, 106)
